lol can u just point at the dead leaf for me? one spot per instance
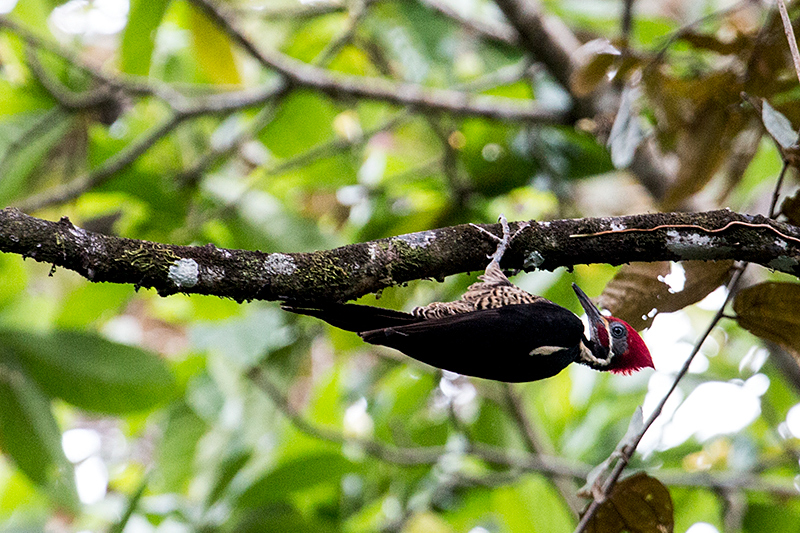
(626, 133)
(638, 293)
(790, 208)
(638, 504)
(769, 311)
(711, 42)
(778, 126)
(593, 62)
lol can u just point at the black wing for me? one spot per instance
(496, 344)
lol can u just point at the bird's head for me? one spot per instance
(614, 345)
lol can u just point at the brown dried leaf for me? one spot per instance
(697, 119)
(712, 43)
(769, 311)
(638, 504)
(790, 208)
(636, 289)
(593, 61)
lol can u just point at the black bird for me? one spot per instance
(495, 331)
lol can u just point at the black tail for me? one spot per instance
(352, 317)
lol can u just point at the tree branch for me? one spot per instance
(344, 86)
(551, 41)
(351, 271)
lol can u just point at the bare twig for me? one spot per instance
(114, 164)
(393, 454)
(493, 30)
(357, 11)
(683, 30)
(624, 455)
(792, 40)
(776, 194)
(125, 157)
(38, 128)
(68, 99)
(407, 94)
(627, 21)
(628, 450)
(517, 461)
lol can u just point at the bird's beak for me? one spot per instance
(591, 311)
(597, 322)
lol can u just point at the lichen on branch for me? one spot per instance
(351, 271)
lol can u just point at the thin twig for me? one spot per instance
(627, 452)
(114, 164)
(393, 454)
(357, 11)
(218, 104)
(493, 30)
(789, 31)
(777, 192)
(683, 30)
(345, 86)
(627, 21)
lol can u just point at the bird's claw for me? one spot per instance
(489, 233)
(504, 241)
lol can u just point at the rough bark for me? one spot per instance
(351, 271)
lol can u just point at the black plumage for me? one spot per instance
(494, 331)
(498, 343)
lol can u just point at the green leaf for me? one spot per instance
(303, 120)
(34, 14)
(29, 144)
(494, 157)
(177, 449)
(213, 51)
(295, 475)
(768, 516)
(138, 39)
(278, 517)
(230, 466)
(19, 102)
(532, 505)
(29, 433)
(91, 372)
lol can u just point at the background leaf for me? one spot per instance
(638, 504)
(30, 435)
(91, 372)
(638, 291)
(769, 310)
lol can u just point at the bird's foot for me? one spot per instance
(502, 242)
(520, 227)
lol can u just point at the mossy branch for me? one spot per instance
(351, 271)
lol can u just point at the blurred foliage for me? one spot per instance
(120, 410)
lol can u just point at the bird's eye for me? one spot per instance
(618, 330)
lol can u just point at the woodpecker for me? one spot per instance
(495, 330)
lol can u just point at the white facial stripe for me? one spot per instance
(546, 350)
(588, 356)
